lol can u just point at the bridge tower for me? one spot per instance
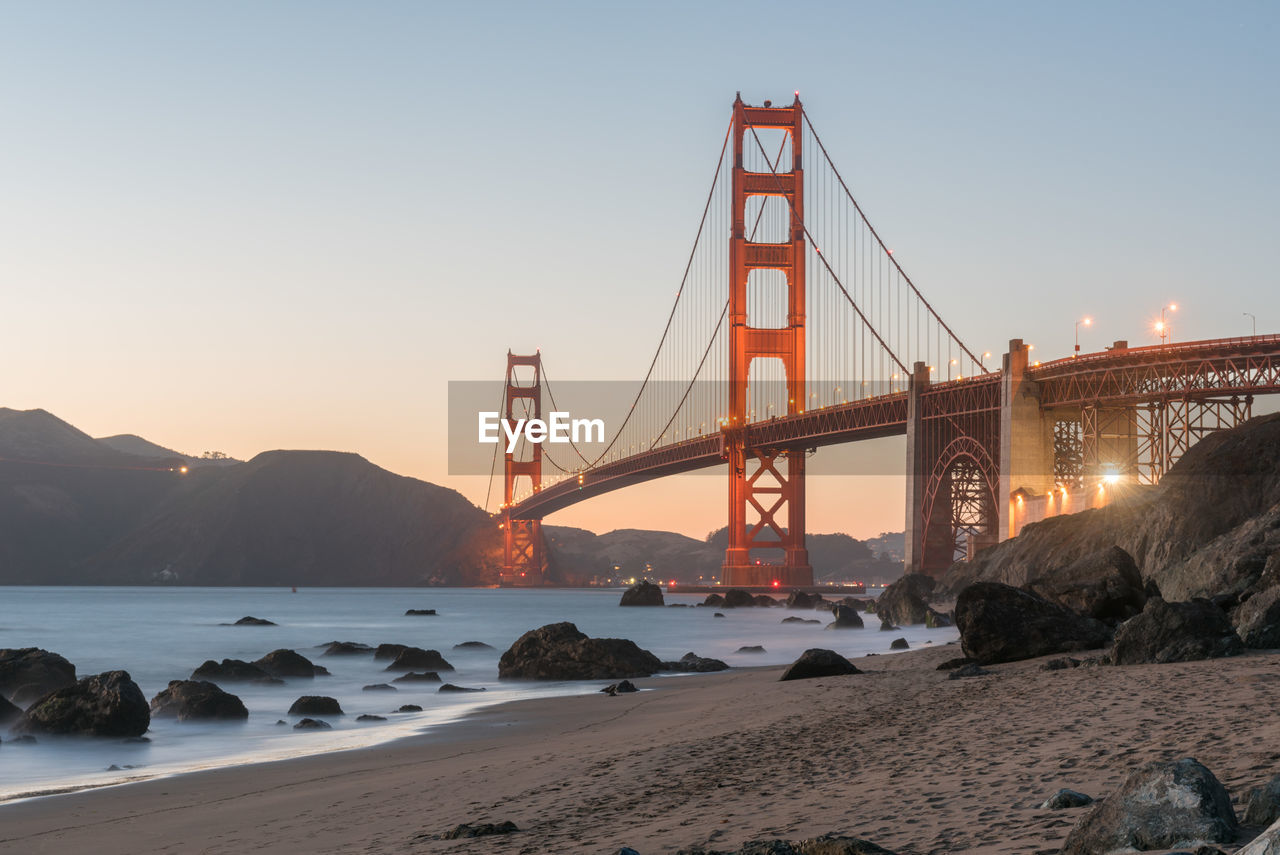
(768, 481)
(522, 552)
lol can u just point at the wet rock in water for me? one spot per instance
(312, 724)
(315, 705)
(952, 664)
(765, 601)
(1175, 632)
(642, 594)
(229, 671)
(1000, 623)
(346, 648)
(818, 662)
(378, 687)
(415, 676)
(794, 619)
(1161, 805)
(29, 673)
(846, 618)
(905, 601)
(898, 644)
(280, 722)
(620, 688)
(8, 712)
(483, 829)
(197, 700)
(973, 669)
(370, 717)
(410, 708)
(559, 651)
(473, 645)
(713, 600)
(389, 651)
(288, 663)
(419, 612)
(736, 598)
(886, 625)
(415, 657)
(692, 663)
(1062, 664)
(1262, 804)
(1105, 585)
(717, 614)
(801, 600)
(750, 648)
(107, 704)
(1065, 798)
(934, 619)
(1257, 621)
(450, 687)
(250, 620)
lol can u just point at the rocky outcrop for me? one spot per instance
(1162, 805)
(559, 651)
(232, 671)
(379, 687)
(450, 687)
(800, 620)
(801, 600)
(818, 662)
(473, 645)
(8, 712)
(1105, 585)
(287, 663)
(846, 618)
(1257, 620)
(29, 673)
(1262, 804)
(418, 677)
(1175, 632)
(999, 623)
(899, 644)
(736, 598)
(692, 663)
(906, 600)
(312, 724)
(197, 700)
(420, 612)
(642, 594)
(250, 620)
(389, 651)
(623, 687)
(315, 705)
(935, 619)
(346, 648)
(108, 704)
(411, 658)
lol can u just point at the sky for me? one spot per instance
(241, 226)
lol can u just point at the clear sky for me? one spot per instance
(241, 226)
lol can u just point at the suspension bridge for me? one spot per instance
(794, 327)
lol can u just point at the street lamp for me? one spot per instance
(1253, 318)
(1087, 322)
(1163, 326)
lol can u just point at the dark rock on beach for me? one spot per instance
(620, 688)
(887, 625)
(1262, 804)
(288, 663)
(389, 651)
(473, 645)
(370, 717)
(346, 648)
(232, 671)
(1064, 799)
(1000, 623)
(1257, 620)
(818, 662)
(312, 724)
(8, 712)
(898, 644)
(717, 614)
(415, 657)
(315, 705)
(846, 618)
(1061, 664)
(692, 663)
(713, 600)
(420, 612)
(197, 700)
(800, 620)
(973, 669)
(410, 708)
(905, 602)
(559, 651)
(29, 673)
(1175, 632)
(642, 594)
(801, 600)
(108, 704)
(952, 664)
(736, 598)
(450, 687)
(378, 687)
(418, 677)
(1105, 585)
(484, 829)
(250, 620)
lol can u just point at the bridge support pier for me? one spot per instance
(522, 545)
(1026, 441)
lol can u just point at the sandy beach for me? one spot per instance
(899, 755)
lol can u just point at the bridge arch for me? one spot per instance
(959, 501)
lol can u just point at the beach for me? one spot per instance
(899, 755)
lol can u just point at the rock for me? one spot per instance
(713, 600)
(108, 704)
(750, 648)
(370, 717)
(315, 705)
(904, 602)
(250, 620)
(197, 700)
(1000, 623)
(346, 648)
(419, 612)
(1262, 804)
(717, 614)
(1060, 664)
(418, 677)
(866, 606)
(450, 687)
(415, 657)
(973, 669)
(389, 651)
(801, 600)
(287, 663)
(1175, 632)
(378, 687)
(312, 724)
(1105, 585)
(898, 644)
(736, 598)
(410, 708)
(952, 664)
(232, 671)
(794, 619)
(1161, 805)
(620, 688)
(480, 830)
(935, 619)
(886, 625)
(693, 663)
(559, 651)
(1065, 798)
(642, 594)
(817, 662)
(29, 673)
(765, 601)
(1257, 621)
(473, 645)
(8, 712)
(1266, 843)
(846, 618)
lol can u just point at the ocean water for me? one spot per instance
(163, 634)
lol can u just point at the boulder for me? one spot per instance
(450, 687)
(415, 657)
(559, 651)
(1262, 804)
(346, 648)
(717, 614)
(1064, 799)
(765, 601)
(29, 673)
(315, 705)
(8, 712)
(378, 687)
(473, 645)
(1266, 843)
(846, 618)
(389, 651)
(418, 677)
(197, 700)
(232, 671)
(108, 704)
(1175, 632)
(1105, 584)
(817, 662)
(904, 602)
(410, 708)
(312, 724)
(899, 644)
(735, 598)
(693, 663)
(1257, 621)
(751, 648)
(794, 619)
(801, 600)
(886, 625)
(620, 688)
(1162, 805)
(935, 619)
(1061, 664)
(419, 612)
(642, 594)
(250, 620)
(370, 717)
(952, 664)
(1000, 623)
(973, 669)
(481, 829)
(713, 600)
(287, 663)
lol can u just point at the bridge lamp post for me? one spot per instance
(1088, 322)
(1253, 318)
(1163, 326)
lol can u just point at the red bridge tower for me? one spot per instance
(522, 539)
